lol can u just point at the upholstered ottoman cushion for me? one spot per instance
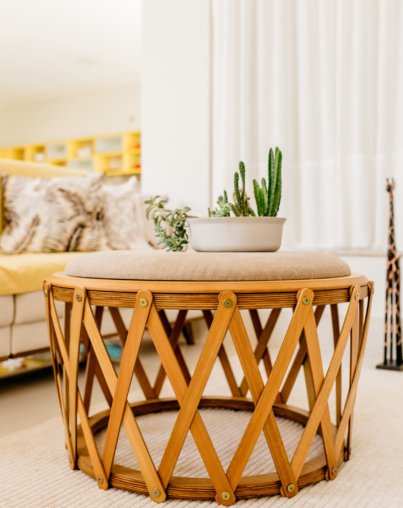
(207, 266)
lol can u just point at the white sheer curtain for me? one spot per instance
(323, 80)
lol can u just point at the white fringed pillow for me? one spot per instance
(53, 214)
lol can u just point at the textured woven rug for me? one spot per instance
(35, 472)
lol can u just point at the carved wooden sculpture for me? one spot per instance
(393, 329)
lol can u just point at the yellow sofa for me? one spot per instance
(22, 316)
(23, 329)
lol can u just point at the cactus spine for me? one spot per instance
(268, 195)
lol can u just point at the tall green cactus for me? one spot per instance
(241, 207)
(268, 195)
(261, 197)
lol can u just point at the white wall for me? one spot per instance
(3, 126)
(374, 267)
(90, 113)
(176, 101)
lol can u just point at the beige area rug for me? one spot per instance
(35, 472)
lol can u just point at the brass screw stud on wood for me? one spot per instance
(143, 302)
(305, 301)
(225, 495)
(79, 298)
(290, 486)
(357, 295)
(331, 474)
(156, 492)
(227, 303)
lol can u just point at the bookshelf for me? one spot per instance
(113, 154)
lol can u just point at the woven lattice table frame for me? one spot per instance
(224, 305)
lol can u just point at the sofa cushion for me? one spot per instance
(120, 214)
(21, 273)
(29, 307)
(27, 168)
(207, 266)
(5, 342)
(29, 336)
(6, 310)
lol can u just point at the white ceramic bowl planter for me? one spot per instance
(250, 230)
(234, 224)
(236, 234)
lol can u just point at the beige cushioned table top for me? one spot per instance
(207, 266)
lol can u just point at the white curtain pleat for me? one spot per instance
(322, 79)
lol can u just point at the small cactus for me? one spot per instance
(268, 195)
(241, 207)
(223, 207)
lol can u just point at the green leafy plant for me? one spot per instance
(268, 195)
(169, 225)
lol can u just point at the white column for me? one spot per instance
(176, 101)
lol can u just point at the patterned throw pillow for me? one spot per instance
(53, 214)
(120, 214)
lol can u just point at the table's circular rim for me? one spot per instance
(173, 286)
(184, 487)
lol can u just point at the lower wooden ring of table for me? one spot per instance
(264, 389)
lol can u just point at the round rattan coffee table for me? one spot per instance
(235, 293)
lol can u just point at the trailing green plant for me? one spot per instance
(240, 207)
(169, 225)
(223, 207)
(268, 195)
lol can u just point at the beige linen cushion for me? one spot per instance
(207, 266)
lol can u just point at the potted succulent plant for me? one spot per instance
(230, 226)
(170, 226)
(236, 226)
